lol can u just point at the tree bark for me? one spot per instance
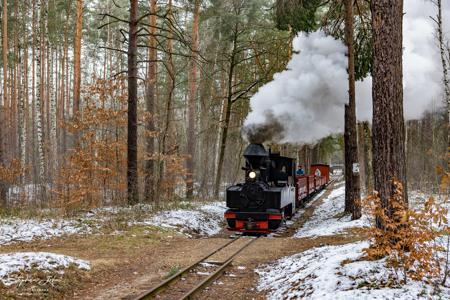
(150, 102)
(5, 51)
(361, 156)
(77, 58)
(33, 90)
(192, 83)
(3, 187)
(367, 136)
(226, 121)
(132, 171)
(170, 87)
(40, 88)
(445, 76)
(64, 99)
(388, 122)
(352, 186)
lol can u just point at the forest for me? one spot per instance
(65, 98)
(126, 126)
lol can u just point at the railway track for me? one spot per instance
(189, 281)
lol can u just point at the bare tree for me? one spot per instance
(192, 83)
(132, 169)
(445, 76)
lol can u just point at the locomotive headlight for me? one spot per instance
(252, 174)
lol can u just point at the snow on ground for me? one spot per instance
(25, 230)
(331, 273)
(325, 219)
(206, 220)
(201, 219)
(13, 263)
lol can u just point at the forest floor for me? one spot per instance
(125, 262)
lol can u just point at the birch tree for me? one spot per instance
(444, 62)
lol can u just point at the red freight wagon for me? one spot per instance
(301, 190)
(311, 184)
(321, 170)
(317, 184)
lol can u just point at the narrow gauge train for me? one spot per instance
(271, 192)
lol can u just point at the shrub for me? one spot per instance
(407, 236)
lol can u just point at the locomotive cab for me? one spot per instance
(268, 194)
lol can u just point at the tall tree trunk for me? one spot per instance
(5, 51)
(150, 101)
(132, 170)
(77, 57)
(3, 186)
(64, 99)
(226, 121)
(445, 76)
(52, 114)
(39, 92)
(24, 121)
(192, 83)
(205, 155)
(388, 122)
(361, 156)
(33, 92)
(168, 108)
(367, 153)
(352, 187)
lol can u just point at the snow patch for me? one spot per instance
(206, 220)
(12, 263)
(322, 273)
(325, 220)
(202, 219)
(25, 230)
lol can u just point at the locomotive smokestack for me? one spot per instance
(255, 154)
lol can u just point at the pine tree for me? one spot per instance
(388, 130)
(150, 101)
(352, 187)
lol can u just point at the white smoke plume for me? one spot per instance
(308, 98)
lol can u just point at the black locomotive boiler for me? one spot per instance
(268, 194)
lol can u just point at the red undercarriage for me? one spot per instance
(250, 226)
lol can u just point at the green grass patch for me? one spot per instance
(173, 270)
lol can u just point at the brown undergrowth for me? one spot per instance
(408, 237)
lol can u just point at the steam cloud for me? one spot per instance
(270, 130)
(306, 102)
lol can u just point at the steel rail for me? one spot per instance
(171, 279)
(216, 273)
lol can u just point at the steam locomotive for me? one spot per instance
(272, 192)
